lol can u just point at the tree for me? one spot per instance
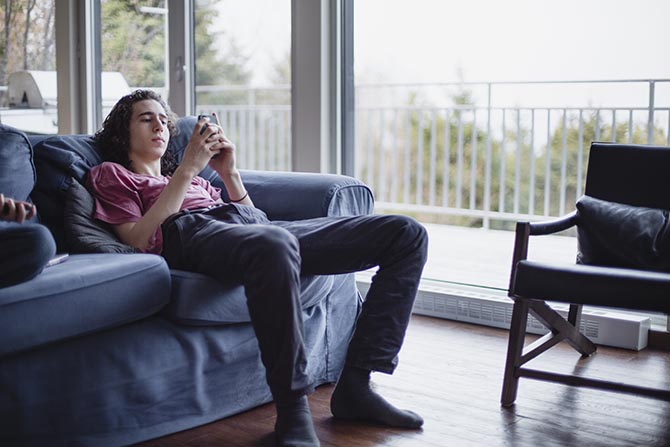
(28, 39)
(133, 43)
(439, 158)
(219, 59)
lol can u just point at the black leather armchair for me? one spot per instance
(623, 262)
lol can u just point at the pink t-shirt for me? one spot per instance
(122, 196)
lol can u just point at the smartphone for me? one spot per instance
(211, 118)
(59, 258)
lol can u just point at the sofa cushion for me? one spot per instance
(86, 293)
(60, 158)
(17, 172)
(198, 299)
(617, 234)
(83, 233)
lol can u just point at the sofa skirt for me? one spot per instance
(155, 377)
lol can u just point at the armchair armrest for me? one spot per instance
(526, 229)
(297, 195)
(553, 226)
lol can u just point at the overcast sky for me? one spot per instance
(479, 40)
(429, 40)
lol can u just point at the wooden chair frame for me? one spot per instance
(560, 328)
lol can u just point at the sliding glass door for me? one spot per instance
(243, 73)
(28, 87)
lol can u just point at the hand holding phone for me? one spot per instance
(210, 118)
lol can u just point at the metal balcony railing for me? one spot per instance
(258, 120)
(486, 163)
(477, 154)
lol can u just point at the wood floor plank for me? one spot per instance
(451, 373)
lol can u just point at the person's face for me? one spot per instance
(149, 134)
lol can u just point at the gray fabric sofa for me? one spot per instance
(113, 349)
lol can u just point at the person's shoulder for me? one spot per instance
(110, 166)
(109, 172)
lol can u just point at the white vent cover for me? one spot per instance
(492, 308)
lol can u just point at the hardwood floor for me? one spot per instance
(451, 374)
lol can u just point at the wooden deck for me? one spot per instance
(475, 256)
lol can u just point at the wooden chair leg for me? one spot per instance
(575, 315)
(557, 324)
(515, 346)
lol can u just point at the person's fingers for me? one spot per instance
(32, 210)
(9, 210)
(20, 212)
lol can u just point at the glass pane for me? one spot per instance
(480, 113)
(27, 66)
(134, 48)
(476, 120)
(242, 50)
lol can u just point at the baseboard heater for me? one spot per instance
(490, 307)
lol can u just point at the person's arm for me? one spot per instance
(224, 165)
(138, 234)
(199, 151)
(16, 210)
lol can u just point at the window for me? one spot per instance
(27, 66)
(481, 113)
(242, 51)
(133, 41)
(482, 122)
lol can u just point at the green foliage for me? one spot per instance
(27, 38)
(133, 42)
(441, 157)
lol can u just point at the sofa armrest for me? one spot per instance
(297, 195)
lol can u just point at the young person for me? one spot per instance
(144, 196)
(26, 246)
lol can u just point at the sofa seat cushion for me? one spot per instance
(198, 299)
(84, 294)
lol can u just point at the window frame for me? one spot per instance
(322, 101)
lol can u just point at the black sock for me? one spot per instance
(354, 399)
(294, 426)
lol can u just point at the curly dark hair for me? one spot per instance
(114, 136)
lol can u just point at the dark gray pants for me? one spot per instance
(239, 243)
(26, 248)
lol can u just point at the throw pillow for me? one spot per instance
(617, 234)
(83, 233)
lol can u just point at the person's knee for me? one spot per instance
(43, 244)
(276, 246)
(27, 248)
(411, 232)
(35, 246)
